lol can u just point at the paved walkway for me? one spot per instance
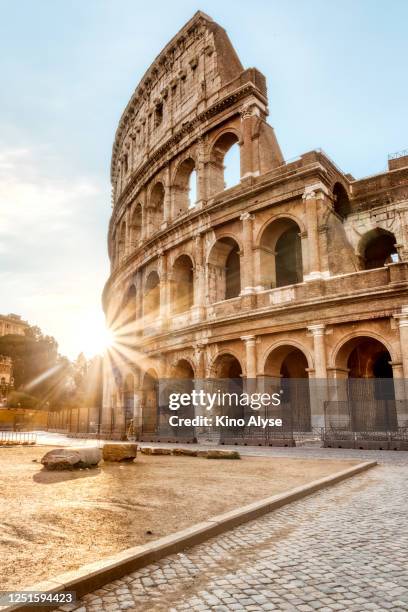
(344, 548)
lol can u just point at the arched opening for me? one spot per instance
(129, 399)
(224, 270)
(377, 248)
(281, 254)
(183, 382)
(150, 402)
(341, 201)
(183, 284)
(185, 187)
(151, 302)
(370, 384)
(129, 306)
(289, 364)
(227, 366)
(121, 241)
(227, 371)
(136, 226)
(156, 208)
(225, 163)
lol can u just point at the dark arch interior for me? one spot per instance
(341, 201)
(152, 296)
(295, 385)
(149, 410)
(128, 399)
(233, 273)
(288, 257)
(370, 385)
(183, 287)
(380, 249)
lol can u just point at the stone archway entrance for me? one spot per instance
(182, 382)
(129, 400)
(288, 364)
(369, 384)
(150, 402)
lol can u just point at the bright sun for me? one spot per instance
(95, 337)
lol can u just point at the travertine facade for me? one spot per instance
(12, 324)
(297, 271)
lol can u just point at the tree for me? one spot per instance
(37, 367)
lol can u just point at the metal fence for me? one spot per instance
(17, 437)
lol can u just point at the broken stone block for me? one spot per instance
(71, 458)
(188, 452)
(119, 452)
(146, 450)
(161, 451)
(223, 454)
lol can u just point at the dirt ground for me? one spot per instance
(53, 522)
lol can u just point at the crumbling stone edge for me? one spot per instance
(95, 575)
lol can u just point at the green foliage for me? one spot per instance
(17, 399)
(42, 375)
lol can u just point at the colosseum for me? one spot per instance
(282, 270)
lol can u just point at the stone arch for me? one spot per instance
(224, 270)
(336, 359)
(227, 369)
(184, 192)
(183, 368)
(128, 310)
(129, 399)
(341, 201)
(182, 284)
(151, 297)
(377, 248)
(219, 365)
(136, 221)
(365, 362)
(149, 402)
(281, 253)
(220, 146)
(289, 363)
(290, 343)
(155, 215)
(121, 238)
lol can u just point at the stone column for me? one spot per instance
(250, 350)
(247, 259)
(198, 311)
(162, 271)
(139, 301)
(311, 197)
(318, 332)
(318, 385)
(201, 169)
(402, 320)
(251, 118)
(246, 144)
(167, 196)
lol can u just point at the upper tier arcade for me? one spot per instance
(193, 103)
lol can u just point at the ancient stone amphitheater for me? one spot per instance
(289, 269)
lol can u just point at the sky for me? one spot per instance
(336, 74)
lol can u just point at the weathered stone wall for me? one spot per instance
(300, 254)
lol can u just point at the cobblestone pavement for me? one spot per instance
(344, 548)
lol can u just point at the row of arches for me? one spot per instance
(182, 193)
(281, 264)
(362, 360)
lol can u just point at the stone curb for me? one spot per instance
(95, 575)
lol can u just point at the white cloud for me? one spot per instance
(52, 243)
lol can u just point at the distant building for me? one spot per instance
(12, 324)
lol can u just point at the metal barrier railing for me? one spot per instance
(17, 437)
